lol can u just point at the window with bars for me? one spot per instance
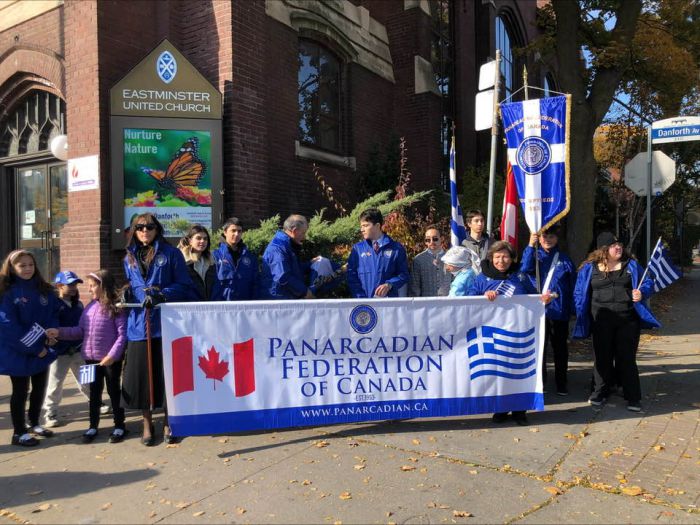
(319, 82)
(32, 124)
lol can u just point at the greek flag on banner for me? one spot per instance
(458, 232)
(537, 133)
(86, 374)
(661, 267)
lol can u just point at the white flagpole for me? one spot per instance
(494, 144)
(646, 270)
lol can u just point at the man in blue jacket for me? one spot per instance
(377, 266)
(559, 310)
(283, 274)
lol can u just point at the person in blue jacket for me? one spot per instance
(284, 274)
(559, 310)
(28, 307)
(156, 272)
(236, 267)
(611, 306)
(500, 276)
(377, 266)
(457, 261)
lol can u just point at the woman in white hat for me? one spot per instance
(456, 261)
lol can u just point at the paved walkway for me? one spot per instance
(573, 464)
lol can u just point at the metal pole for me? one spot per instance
(649, 161)
(494, 143)
(537, 242)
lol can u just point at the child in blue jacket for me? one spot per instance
(28, 307)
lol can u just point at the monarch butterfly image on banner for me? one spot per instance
(167, 172)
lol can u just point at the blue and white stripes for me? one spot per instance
(458, 232)
(662, 269)
(494, 351)
(35, 333)
(86, 374)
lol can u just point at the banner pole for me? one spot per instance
(494, 144)
(537, 242)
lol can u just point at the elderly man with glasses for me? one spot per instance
(428, 277)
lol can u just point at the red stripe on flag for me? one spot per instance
(183, 373)
(244, 367)
(509, 220)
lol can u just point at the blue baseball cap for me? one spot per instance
(67, 277)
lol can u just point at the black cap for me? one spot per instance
(605, 239)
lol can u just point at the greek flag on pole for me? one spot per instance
(458, 232)
(505, 289)
(33, 335)
(86, 374)
(537, 133)
(661, 267)
(494, 351)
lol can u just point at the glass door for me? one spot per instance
(42, 208)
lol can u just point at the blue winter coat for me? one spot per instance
(582, 298)
(68, 315)
(21, 307)
(562, 283)
(367, 269)
(168, 272)
(462, 282)
(235, 282)
(283, 274)
(522, 282)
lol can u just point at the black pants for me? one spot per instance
(615, 340)
(556, 334)
(111, 375)
(18, 399)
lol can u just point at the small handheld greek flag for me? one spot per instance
(663, 271)
(33, 335)
(505, 289)
(86, 374)
(458, 233)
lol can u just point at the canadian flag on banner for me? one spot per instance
(509, 221)
(214, 365)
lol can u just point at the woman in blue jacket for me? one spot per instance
(610, 306)
(236, 266)
(157, 272)
(28, 307)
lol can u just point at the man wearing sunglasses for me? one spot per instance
(428, 278)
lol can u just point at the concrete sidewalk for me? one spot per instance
(572, 464)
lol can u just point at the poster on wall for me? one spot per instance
(167, 172)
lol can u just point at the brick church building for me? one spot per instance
(331, 82)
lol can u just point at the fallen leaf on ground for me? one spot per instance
(153, 514)
(569, 435)
(659, 448)
(389, 514)
(583, 434)
(517, 440)
(434, 505)
(150, 464)
(105, 506)
(553, 490)
(431, 438)
(415, 441)
(321, 444)
(634, 490)
(172, 445)
(473, 472)
(413, 460)
(407, 468)
(99, 457)
(306, 482)
(198, 514)
(534, 429)
(183, 504)
(345, 495)
(461, 514)
(240, 510)
(359, 467)
(424, 470)
(40, 508)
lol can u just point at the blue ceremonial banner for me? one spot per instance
(537, 133)
(458, 233)
(232, 367)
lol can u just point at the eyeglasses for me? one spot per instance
(142, 227)
(432, 239)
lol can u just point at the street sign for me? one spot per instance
(663, 173)
(677, 129)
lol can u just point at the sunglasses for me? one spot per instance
(432, 239)
(143, 227)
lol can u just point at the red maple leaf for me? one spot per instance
(212, 367)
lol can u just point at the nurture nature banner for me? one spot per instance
(270, 364)
(167, 173)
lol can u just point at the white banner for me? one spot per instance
(268, 364)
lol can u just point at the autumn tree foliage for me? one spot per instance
(601, 48)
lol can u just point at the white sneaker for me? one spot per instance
(105, 409)
(51, 421)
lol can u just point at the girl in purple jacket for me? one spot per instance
(102, 328)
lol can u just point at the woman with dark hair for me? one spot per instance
(157, 273)
(28, 307)
(236, 266)
(200, 263)
(610, 305)
(501, 276)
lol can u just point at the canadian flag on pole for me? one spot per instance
(214, 366)
(509, 221)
